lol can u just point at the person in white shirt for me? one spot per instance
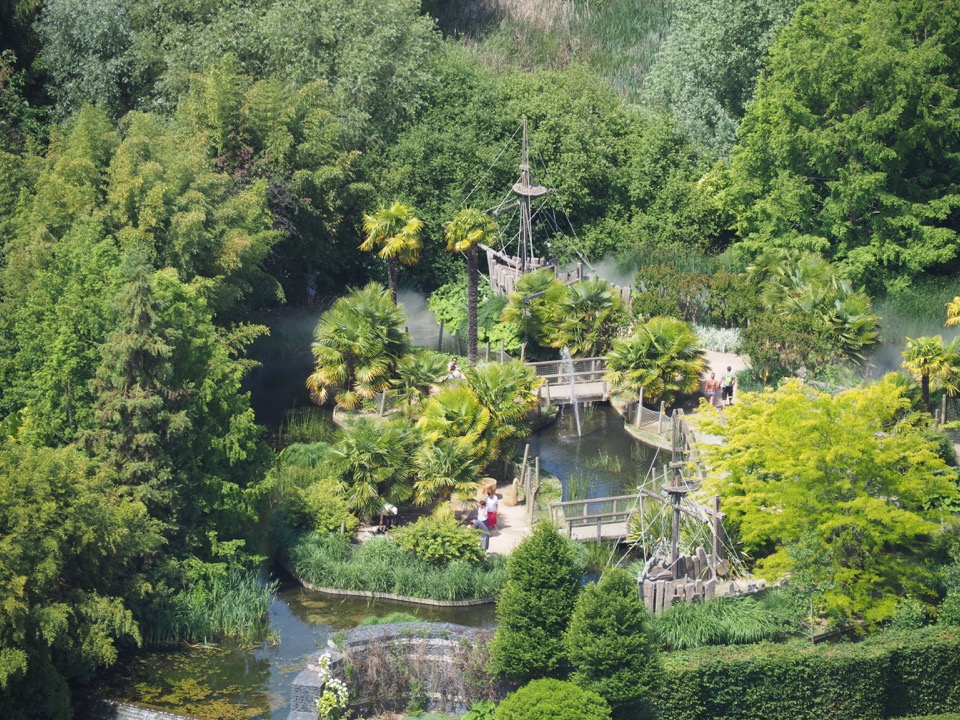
(492, 503)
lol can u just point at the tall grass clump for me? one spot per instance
(603, 461)
(617, 39)
(719, 621)
(306, 425)
(917, 310)
(229, 605)
(380, 565)
(578, 484)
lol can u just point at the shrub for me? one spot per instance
(534, 608)
(319, 509)
(608, 642)
(550, 699)
(440, 540)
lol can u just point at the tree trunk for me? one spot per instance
(472, 281)
(925, 390)
(392, 277)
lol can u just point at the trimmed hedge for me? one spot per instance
(889, 675)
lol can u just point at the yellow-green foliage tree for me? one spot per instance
(851, 471)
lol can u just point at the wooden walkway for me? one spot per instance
(583, 381)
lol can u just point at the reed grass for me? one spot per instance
(603, 461)
(578, 484)
(380, 565)
(228, 606)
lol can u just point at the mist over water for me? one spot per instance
(421, 323)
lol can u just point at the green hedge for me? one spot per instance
(890, 675)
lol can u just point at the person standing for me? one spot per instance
(480, 523)
(710, 389)
(493, 504)
(729, 380)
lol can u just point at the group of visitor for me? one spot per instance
(486, 518)
(724, 386)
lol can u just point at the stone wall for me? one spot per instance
(438, 665)
(99, 709)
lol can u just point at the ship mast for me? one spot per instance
(525, 191)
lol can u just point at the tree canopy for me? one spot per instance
(853, 471)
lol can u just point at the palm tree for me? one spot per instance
(468, 228)
(928, 357)
(531, 308)
(953, 312)
(508, 392)
(357, 344)
(417, 371)
(663, 357)
(587, 317)
(455, 412)
(444, 469)
(371, 463)
(396, 232)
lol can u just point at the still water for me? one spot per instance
(605, 460)
(254, 682)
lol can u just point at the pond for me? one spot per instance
(605, 460)
(254, 682)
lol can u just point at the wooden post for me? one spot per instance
(523, 352)
(383, 403)
(660, 419)
(715, 549)
(440, 337)
(546, 386)
(640, 408)
(943, 410)
(488, 351)
(501, 351)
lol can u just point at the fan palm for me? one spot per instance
(357, 344)
(587, 317)
(455, 412)
(445, 468)
(394, 232)
(372, 462)
(663, 357)
(929, 357)
(531, 309)
(508, 392)
(417, 371)
(469, 228)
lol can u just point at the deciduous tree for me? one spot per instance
(848, 472)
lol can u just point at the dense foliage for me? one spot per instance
(170, 170)
(889, 675)
(848, 148)
(609, 644)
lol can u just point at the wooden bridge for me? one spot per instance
(581, 382)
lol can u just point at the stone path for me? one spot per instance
(512, 527)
